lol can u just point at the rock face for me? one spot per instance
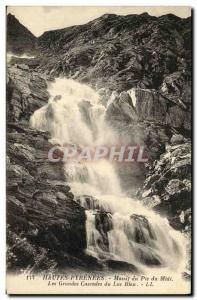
(45, 226)
(141, 67)
(19, 39)
(142, 233)
(118, 53)
(26, 92)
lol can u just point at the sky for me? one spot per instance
(39, 19)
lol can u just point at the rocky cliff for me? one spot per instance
(123, 52)
(19, 39)
(45, 226)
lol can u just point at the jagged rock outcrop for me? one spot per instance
(115, 265)
(138, 105)
(26, 92)
(121, 52)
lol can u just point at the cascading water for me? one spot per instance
(117, 227)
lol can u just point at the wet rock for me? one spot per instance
(141, 78)
(121, 266)
(61, 196)
(148, 257)
(120, 107)
(15, 173)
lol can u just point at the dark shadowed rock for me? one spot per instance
(141, 67)
(177, 139)
(121, 266)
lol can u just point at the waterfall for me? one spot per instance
(117, 227)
